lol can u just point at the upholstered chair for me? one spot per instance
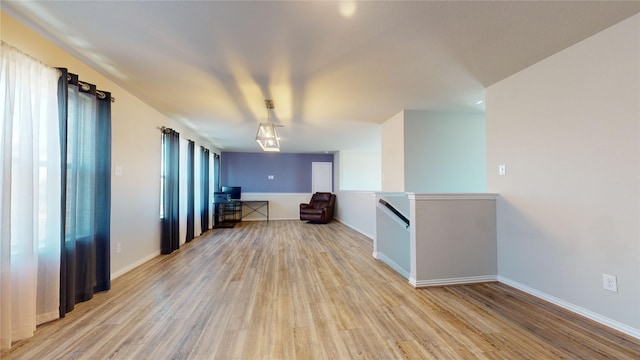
(319, 209)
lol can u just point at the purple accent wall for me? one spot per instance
(291, 172)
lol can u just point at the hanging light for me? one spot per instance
(267, 137)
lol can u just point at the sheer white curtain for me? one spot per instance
(29, 196)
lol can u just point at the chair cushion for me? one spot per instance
(311, 210)
(324, 197)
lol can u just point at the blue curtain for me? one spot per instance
(190, 190)
(204, 189)
(85, 124)
(170, 187)
(216, 172)
(103, 194)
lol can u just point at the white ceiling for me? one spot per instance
(333, 78)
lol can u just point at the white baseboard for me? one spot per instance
(264, 219)
(270, 219)
(392, 264)
(134, 265)
(353, 228)
(453, 281)
(631, 331)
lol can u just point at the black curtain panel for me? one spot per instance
(190, 190)
(170, 231)
(103, 193)
(85, 124)
(216, 172)
(204, 189)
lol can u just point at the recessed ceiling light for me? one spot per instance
(347, 8)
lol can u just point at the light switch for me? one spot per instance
(502, 169)
(118, 170)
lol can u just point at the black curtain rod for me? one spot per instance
(86, 86)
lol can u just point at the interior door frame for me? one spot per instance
(321, 176)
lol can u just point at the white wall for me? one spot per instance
(444, 152)
(567, 129)
(282, 206)
(392, 148)
(359, 171)
(135, 195)
(425, 151)
(392, 243)
(357, 209)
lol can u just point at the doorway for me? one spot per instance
(321, 177)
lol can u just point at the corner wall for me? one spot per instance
(392, 149)
(434, 152)
(444, 152)
(568, 131)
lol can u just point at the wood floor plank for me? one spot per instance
(411, 349)
(307, 343)
(293, 290)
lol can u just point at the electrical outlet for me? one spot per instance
(609, 282)
(118, 248)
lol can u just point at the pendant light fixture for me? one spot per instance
(267, 137)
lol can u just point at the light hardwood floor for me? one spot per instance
(292, 290)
